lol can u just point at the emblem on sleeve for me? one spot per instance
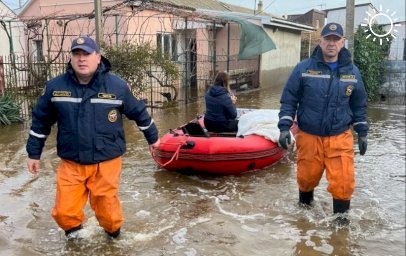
(349, 89)
(112, 116)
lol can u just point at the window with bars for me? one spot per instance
(167, 44)
(37, 50)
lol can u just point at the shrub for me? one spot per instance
(369, 56)
(135, 63)
(9, 110)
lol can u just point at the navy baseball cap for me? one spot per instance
(332, 29)
(85, 43)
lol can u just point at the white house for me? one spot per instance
(360, 14)
(12, 35)
(366, 13)
(397, 49)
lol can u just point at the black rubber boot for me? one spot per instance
(341, 207)
(70, 231)
(306, 198)
(113, 234)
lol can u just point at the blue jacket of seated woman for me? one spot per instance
(219, 107)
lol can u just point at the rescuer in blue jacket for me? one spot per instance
(87, 102)
(327, 96)
(221, 112)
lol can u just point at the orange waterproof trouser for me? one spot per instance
(75, 183)
(333, 153)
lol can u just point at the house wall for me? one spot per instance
(360, 15)
(51, 30)
(62, 7)
(398, 45)
(287, 52)
(15, 29)
(311, 18)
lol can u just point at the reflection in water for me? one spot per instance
(170, 213)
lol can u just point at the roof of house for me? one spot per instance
(265, 20)
(312, 10)
(206, 4)
(343, 7)
(222, 9)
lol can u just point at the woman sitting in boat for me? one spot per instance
(221, 112)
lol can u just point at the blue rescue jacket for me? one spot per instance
(89, 118)
(327, 102)
(219, 107)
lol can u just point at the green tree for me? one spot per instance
(137, 63)
(370, 54)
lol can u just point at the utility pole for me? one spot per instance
(98, 21)
(349, 26)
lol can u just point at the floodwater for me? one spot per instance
(170, 213)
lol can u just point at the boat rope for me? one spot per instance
(176, 154)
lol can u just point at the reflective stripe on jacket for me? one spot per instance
(90, 121)
(327, 102)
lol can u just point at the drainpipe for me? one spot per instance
(48, 42)
(116, 28)
(214, 48)
(228, 47)
(185, 80)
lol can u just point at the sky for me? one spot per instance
(281, 7)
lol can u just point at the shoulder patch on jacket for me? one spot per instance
(349, 89)
(106, 96)
(112, 115)
(61, 93)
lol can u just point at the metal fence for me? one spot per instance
(25, 79)
(199, 45)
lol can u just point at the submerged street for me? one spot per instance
(170, 213)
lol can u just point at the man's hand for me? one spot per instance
(362, 145)
(155, 145)
(285, 139)
(33, 166)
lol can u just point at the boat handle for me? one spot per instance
(188, 145)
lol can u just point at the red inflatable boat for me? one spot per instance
(191, 147)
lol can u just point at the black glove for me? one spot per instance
(283, 137)
(362, 145)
